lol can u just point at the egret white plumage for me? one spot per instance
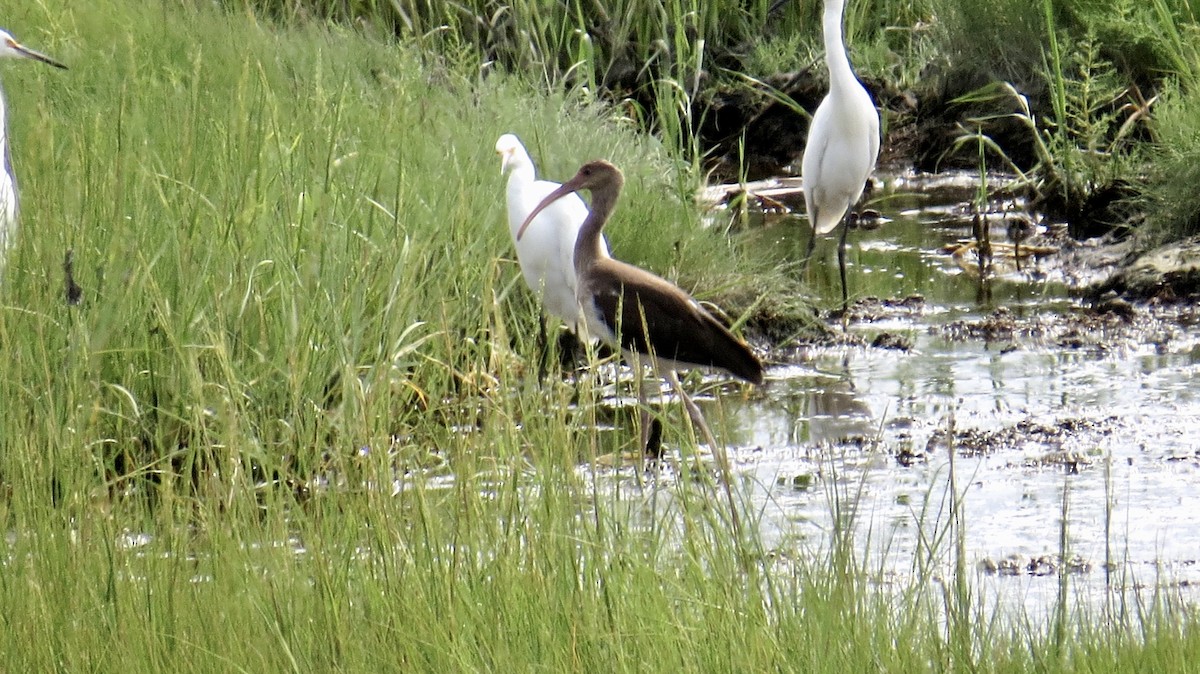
(842, 146)
(651, 320)
(10, 48)
(546, 253)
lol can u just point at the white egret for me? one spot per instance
(650, 319)
(842, 146)
(9, 47)
(546, 254)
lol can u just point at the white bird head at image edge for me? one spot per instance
(10, 48)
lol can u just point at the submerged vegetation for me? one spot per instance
(294, 421)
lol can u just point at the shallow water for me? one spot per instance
(852, 428)
(1114, 424)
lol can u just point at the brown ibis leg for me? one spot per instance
(718, 450)
(650, 425)
(653, 446)
(697, 417)
(647, 421)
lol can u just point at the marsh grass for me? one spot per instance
(1171, 202)
(1090, 70)
(287, 250)
(294, 422)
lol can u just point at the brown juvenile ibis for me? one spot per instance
(842, 145)
(650, 319)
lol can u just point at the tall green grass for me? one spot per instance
(1090, 71)
(294, 423)
(1171, 198)
(288, 247)
(294, 269)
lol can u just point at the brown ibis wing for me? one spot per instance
(654, 317)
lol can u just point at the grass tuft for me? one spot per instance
(294, 422)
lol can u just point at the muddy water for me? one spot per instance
(1102, 413)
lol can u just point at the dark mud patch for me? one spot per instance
(893, 341)
(1041, 565)
(1105, 323)
(832, 336)
(797, 348)
(1060, 443)
(1169, 273)
(1109, 323)
(874, 309)
(774, 327)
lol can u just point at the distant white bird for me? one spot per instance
(546, 252)
(9, 47)
(842, 146)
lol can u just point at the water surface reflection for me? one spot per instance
(1115, 425)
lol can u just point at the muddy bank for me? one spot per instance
(1108, 324)
(1124, 295)
(1020, 248)
(759, 133)
(1167, 274)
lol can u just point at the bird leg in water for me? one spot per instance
(841, 256)
(697, 418)
(718, 450)
(842, 265)
(652, 449)
(812, 245)
(645, 418)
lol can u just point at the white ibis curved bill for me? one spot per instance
(10, 48)
(650, 319)
(842, 145)
(546, 254)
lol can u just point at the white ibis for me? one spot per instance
(546, 254)
(842, 146)
(650, 319)
(9, 47)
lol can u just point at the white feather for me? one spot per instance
(843, 139)
(547, 249)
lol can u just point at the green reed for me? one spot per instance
(295, 422)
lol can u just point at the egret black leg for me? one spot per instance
(812, 245)
(842, 265)
(570, 350)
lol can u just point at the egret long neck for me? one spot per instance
(835, 46)
(588, 244)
